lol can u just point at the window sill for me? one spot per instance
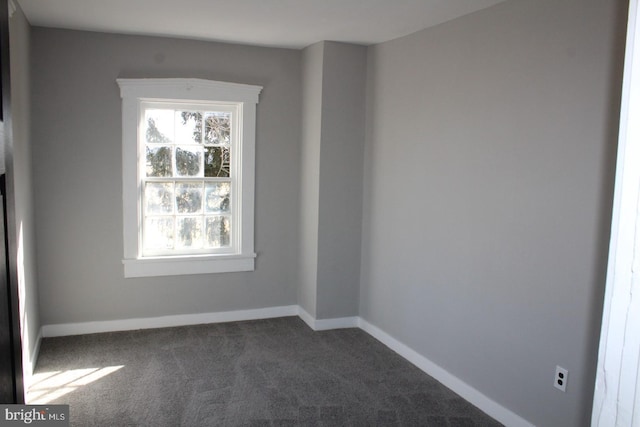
(181, 265)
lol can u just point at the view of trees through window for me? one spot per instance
(187, 187)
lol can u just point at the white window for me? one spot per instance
(188, 176)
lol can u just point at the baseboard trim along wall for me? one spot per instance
(66, 329)
(497, 411)
(500, 413)
(30, 360)
(327, 324)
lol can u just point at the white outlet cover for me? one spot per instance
(561, 378)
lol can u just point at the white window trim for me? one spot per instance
(133, 93)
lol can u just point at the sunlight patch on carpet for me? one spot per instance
(48, 386)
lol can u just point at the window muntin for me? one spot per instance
(189, 178)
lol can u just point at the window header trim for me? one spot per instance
(188, 89)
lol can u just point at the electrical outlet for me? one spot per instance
(560, 381)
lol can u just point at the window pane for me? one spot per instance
(189, 232)
(188, 127)
(158, 233)
(218, 229)
(159, 161)
(189, 197)
(158, 197)
(217, 162)
(188, 160)
(159, 126)
(217, 197)
(217, 127)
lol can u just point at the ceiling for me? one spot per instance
(276, 23)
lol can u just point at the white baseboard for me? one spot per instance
(307, 318)
(65, 329)
(469, 393)
(327, 324)
(29, 362)
(36, 351)
(338, 323)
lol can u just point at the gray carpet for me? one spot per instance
(274, 372)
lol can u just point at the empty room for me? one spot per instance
(321, 212)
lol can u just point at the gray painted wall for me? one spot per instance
(312, 60)
(78, 175)
(488, 187)
(333, 94)
(341, 168)
(20, 41)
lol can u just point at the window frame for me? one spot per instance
(236, 168)
(135, 93)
